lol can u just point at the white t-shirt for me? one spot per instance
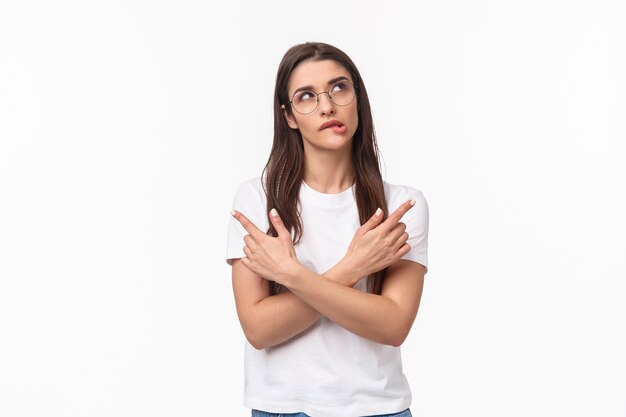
(327, 371)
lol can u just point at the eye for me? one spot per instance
(304, 95)
(340, 86)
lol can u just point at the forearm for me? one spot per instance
(283, 316)
(371, 316)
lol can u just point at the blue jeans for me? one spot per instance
(258, 413)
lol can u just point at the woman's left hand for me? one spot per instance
(273, 258)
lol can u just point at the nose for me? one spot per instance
(325, 104)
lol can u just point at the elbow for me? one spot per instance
(397, 341)
(253, 330)
(254, 340)
(398, 337)
(255, 344)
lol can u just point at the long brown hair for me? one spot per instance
(285, 166)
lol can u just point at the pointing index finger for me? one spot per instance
(395, 217)
(246, 223)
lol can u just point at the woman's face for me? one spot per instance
(317, 74)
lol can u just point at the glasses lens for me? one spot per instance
(342, 93)
(304, 101)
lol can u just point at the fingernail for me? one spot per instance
(412, 202)
(273, 212)
(378, 211)
(232, 213)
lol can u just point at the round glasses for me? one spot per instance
(341, 93)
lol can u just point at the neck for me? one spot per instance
(329, 171)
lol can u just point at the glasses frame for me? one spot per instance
(317, 96)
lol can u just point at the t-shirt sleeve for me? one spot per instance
(416, 220)
(249, 201)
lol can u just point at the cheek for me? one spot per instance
(355, 116)
(355, 123)
(355, 110)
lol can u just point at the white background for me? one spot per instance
(126, 127)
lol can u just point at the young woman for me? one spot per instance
(327, 280)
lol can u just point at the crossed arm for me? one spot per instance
(385, 318)
(268, 321)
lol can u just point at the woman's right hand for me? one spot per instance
(377, 245)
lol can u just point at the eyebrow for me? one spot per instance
(310, 87)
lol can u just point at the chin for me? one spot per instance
(330, 141)
(338, 143)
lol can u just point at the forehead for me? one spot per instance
(316, 74)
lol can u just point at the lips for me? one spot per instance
(330, 123)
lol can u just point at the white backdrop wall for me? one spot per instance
(126, 126)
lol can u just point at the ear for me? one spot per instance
(291, 122)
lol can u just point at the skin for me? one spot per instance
(385, 318)
(328, 166)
